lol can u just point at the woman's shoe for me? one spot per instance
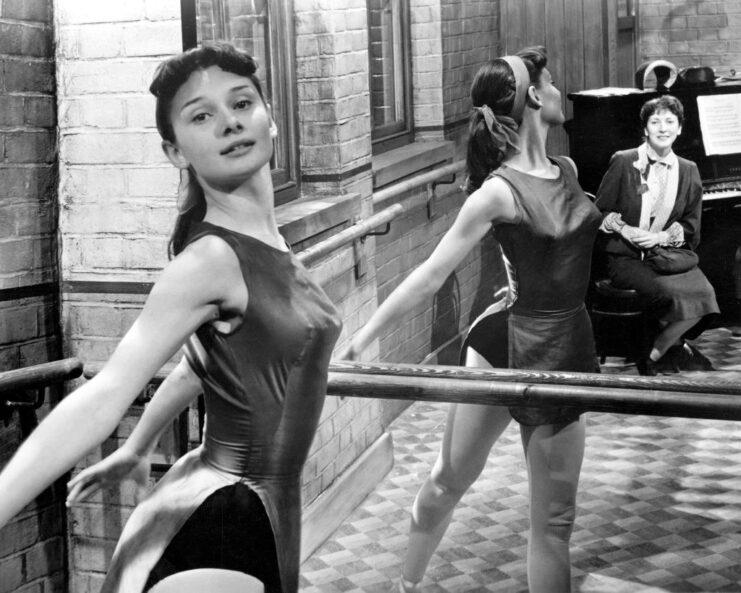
(672, 360)
(697, 360)
(647, 367)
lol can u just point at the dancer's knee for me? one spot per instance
(437, 497)
(559, 523)
(451, 484)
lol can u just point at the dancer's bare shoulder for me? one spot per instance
(494, 201)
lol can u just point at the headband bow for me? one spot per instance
(502, 128)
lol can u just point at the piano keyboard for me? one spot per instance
(722, 195)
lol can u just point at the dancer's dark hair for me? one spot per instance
(494, 85)
(168, 78)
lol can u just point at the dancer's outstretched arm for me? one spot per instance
(132, 461)
(491, 203)
(85, 418)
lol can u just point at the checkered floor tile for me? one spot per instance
(659, 507)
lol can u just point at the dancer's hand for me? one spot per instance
(122, 464)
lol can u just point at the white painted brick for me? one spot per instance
(105, 76)
(306, 47)
(160, 181)
(92, 111)
(102, 40)
(85, 183)
(357, 20)
(162, 10)
(146, 252)
(111, 147)
(98, 11)
(348, 107)
(139, 111)
(131, 217)
(160, 38)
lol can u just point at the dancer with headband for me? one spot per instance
(546, 227)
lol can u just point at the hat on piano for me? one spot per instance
(665, 73)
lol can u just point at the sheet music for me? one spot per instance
(720, 123)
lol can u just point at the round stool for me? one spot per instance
(209, 580)
(618, 322)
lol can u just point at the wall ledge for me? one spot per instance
(307, 221)
(411, 159)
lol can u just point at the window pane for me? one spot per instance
(388, 61)
(254, 26)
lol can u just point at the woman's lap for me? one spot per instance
(669, 298)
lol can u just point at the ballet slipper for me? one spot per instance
(408, 586)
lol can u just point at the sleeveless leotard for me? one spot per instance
(264, 385)
(547, 253)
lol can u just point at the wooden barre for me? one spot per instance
(659, 383)
(654, 396)
(40, 375)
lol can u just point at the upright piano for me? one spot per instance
(607, 120)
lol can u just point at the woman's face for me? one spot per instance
(550, 98)
(222, 128)
(662, 129)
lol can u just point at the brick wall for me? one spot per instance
(706, 33)
(32, 545)
(468, 43)
(116, 202)
(116, 207)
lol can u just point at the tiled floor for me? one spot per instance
(659, 507)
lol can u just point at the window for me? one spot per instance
(390, 73)
(264, 30)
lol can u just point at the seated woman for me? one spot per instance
(651, 197)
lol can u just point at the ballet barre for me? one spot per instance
(655, 396)
(24, 389)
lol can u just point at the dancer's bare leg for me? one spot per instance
(470, 432)
(554, 454)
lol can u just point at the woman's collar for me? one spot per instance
(670, 159)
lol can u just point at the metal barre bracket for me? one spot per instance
(385, 231)
(24, 389)
(431, 193)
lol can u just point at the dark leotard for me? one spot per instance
(264, 384)
(547, 252)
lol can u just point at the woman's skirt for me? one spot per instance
(559, 341)
(667, 297)
(196, 517)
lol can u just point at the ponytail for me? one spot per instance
(191, 210)
(496, 91)
(482, 155)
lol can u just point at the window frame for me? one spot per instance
(389, 136)
(280, 89)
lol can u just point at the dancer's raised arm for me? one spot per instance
(491, 203)
(91, 413)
